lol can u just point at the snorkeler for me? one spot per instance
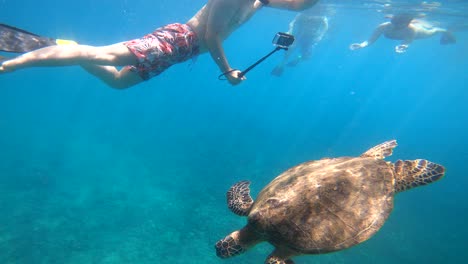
(308, 29)
(404, 27)
(150, 55)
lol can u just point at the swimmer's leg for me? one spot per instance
(111, 76)
(446, 37)
(305, 54)
(295, 61)
(113, 55)
(92, 59)
(278, 70)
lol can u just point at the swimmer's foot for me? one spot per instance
(277, 71)
(3, 65)
(448, 38)
(2, 59)
(294, 62)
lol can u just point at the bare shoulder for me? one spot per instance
(219, 18)
(229, 14)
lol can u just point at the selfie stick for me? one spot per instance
(258, 62)
(281, 41)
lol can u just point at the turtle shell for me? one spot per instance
(325, 205)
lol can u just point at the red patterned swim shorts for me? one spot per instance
(163, 48)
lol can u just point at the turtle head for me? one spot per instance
(414, 173)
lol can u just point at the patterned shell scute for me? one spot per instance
(325, 205)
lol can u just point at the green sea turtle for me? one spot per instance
(324, 205)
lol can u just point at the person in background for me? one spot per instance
(308, 28)
(150, 55)
(406, 28)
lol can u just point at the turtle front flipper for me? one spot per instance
(238, 198)
(414, 173)
(237, 242)
(380, 151)
(229, 246)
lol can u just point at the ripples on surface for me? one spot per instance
(453, 13)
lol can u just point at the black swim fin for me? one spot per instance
(17, 40)
(448, 38)
(2, 59)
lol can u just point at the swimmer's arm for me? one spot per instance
(215, 47)
(218, 18)
(296, 5)
(377, 33)
(219, 24)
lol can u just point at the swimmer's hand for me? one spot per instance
(356, 46)
(401, 48)
(233, 77)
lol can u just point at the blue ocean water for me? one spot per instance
(89, 174)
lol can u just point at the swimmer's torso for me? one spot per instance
(227, 15)
(415, 30)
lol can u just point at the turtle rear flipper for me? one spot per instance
(238, 198)
(414, 173)
(279, 257)
(380, 151)
(275, 260)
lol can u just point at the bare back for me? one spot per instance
(223, 17)
(415, 30)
